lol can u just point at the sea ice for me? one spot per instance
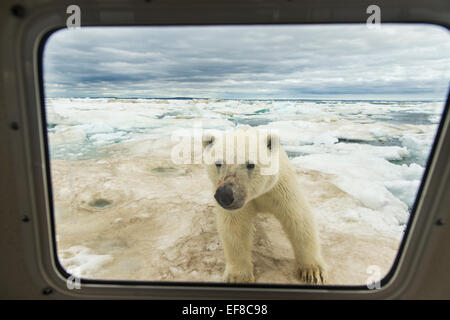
(82, 262)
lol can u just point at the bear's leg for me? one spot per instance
(236, 232)
(301, 229)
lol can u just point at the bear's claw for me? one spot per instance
(239, 277)
(312, 274)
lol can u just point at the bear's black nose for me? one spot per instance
(224, 196)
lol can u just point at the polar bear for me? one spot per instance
(243, 186)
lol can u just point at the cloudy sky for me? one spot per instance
(323, 62)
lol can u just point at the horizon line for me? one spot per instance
(251, 99)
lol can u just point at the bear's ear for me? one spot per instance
(273, 140)
(207, 139)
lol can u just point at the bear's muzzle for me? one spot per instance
(224, 196)
(230, 196)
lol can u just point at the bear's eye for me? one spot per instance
(250, 165)
(218, 164)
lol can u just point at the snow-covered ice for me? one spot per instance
(125, 211)
(82, 262)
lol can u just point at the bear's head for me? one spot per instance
(242, 164)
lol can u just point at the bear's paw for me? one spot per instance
(239, 277)
(312, 274)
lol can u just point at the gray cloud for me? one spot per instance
(339, 61)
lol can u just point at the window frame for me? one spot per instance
(27, 108)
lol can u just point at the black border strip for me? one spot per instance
(384, 281)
